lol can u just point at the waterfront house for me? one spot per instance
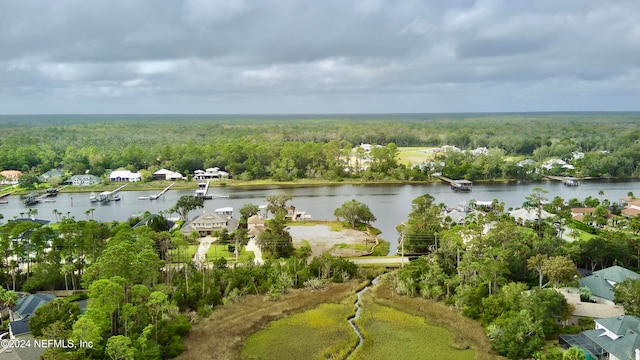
(207, 223)
(51, 176)
(125, 176)
(10, 177)
(213, 173)
(631, 206)
(579, 213)
(614, 338)
(83, 180)
(552, 163)
(164, 174)
(528, 214)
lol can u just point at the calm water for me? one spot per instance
(389, 203)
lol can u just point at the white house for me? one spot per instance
(125, 176)
(210, 174)
(164, 174)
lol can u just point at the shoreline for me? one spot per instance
(192, 184)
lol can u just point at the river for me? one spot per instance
(390, 204)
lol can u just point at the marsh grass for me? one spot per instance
(319, 333)
(466, 333)
(393, 334)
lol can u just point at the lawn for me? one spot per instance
(415, 155)
(222, 250)
(215, 251)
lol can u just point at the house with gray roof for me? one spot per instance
(614, 338)
(53, 175)
(601, 282)
(206, 223)
(25, 307)
(83, 180)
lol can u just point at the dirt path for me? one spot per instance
(222, 335)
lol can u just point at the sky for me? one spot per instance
(318, 56)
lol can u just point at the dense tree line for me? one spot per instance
(142, 287)
(502, 272)
(288, 148)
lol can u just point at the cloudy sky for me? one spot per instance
(318, 56)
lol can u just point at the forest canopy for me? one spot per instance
(289, 147)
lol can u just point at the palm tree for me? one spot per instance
(601, 193)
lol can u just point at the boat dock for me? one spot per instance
(566, 180)
(203, 192)
(457, 185)
(107, 196)
(158, 195)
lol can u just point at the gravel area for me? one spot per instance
(322, 239)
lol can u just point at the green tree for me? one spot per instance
(9, 299)
(276, 241)
(87, 331)
(185, 204)
(547, 306)
(516, 335)
(574, 353)
(278, 203)
(28, 181)
(58, 310)
(119, 348)
(537, 198)
(627, 294)
(247, 211)
(560, 270)
(355, 213)
(537, 263)
(130, 255)
(419, 233)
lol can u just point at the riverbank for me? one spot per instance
(269, 184)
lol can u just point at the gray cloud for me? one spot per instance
(283, 56)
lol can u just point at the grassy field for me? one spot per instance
(414, 155)
(393, 334)
(223, 334)
(320, 333)
(222, 250)
(466, 333)
(313, 325)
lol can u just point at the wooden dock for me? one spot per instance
(457, 185)
(566, 180)
(158, 195)
(107, 196)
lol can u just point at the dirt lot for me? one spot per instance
(322, 239)
(222, 335)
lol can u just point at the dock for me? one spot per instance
(457, 185)
(566, 180)
(158, 195)
(203, 192)
(107, 196)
